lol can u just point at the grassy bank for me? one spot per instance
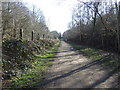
(32, 76)
(109, 59)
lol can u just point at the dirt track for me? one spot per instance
(73, 70)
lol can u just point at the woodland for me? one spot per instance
(29, 47)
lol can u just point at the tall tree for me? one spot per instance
(118, 24)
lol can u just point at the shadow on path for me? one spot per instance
(71, 72)
(103, 79)
(74, 54)
(67, 55)
(65, 51)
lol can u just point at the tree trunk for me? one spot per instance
(102, 39)
(94, 20)
(118, 24)
(119, 27)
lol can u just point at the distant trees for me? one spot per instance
(21, 23)
(96, 24)
(55, 34)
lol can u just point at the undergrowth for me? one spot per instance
(35, 75)
(23, 63)
(107, 58)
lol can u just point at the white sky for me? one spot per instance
(57, 12)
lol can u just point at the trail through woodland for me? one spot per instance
(70, 69)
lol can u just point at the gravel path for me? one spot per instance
(73, 70)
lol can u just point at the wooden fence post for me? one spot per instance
(32, 38)
(38, 36)
(21, 34)
(14, 34)
(43, 36)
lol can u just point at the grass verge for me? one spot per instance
(35, 75)
(107, 58)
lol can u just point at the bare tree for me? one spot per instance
(118, 24)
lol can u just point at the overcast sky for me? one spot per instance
(57, 12)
